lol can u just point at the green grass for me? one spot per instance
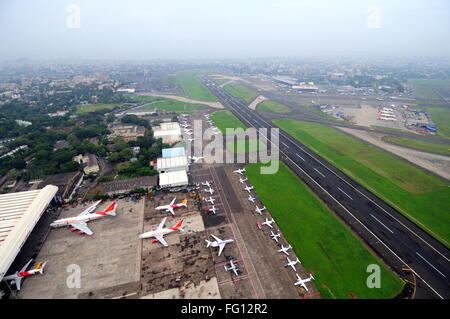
(249, 146)
(423, 198)
(441, 117)
(324, 245)
(194, 87)
(95, 107)
(419, 144)
(241, 92)
(172, 105)
(424, 88)
(143, 98)
(273, 106)
(226, 119)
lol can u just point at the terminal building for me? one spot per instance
(19, 214)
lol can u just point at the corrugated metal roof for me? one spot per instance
(171, 162)
(19, 213)
(173, 152)
(176, 178)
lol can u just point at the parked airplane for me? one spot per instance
(252, 199)
(209, 190)
(259, 210)
(292, 263)
(207, 184)
(233, 267)
(284, 249)
(79, 222)
(191, 139)
(210, 200)
(239, 171)
(213, 209)
(242, 180)
(171, 206)
(218, 243)
(18, 276)
(275, 237)
(195, 158)
(159, 232)
(248, 188)
(302, 282)
(268, 222)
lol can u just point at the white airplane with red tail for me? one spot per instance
(18, 276)
(79, 222)
(159, 232)
(171, 206)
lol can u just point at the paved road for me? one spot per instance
(398, 241)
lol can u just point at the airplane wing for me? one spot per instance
(26, 266)
(170, 209)
(83, 227)
(18, 281)
(161, 225)
(173, 200)
(221, 247)
(161, 240)
(89, 209)
(216, 238)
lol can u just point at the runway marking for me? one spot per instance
(284, 144)
(345, 193)
(381, 223)
(300, 157)
(120, 297)
(310, 295)
(319, 172)
(431, 265)
(363, 225)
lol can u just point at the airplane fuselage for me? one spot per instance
(76, 219)
(154, 232)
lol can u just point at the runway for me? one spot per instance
(398, 241)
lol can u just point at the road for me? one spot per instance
(398, 241)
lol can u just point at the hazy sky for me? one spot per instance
(132, 29)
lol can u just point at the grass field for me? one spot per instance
(424, 87)
(239, 147)
(423, 198)
(241, 92)
(194, 87)
(225, 119)
(95, 107)
(273, 106)
(324, 245)
(440, 117)
(419, 144)
(136, 98)
(172, 105)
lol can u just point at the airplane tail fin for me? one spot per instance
(178, 226)
(208, 243)
(298, 260)
(184, 203)
(40, 267)
(111, 210)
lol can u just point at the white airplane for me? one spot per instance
(232, 267)
(218, 243)
(240, 171)
(275, 237)
(79, 222)
(259, 210)
(209, 190)
(187, 130)
(195, 158)
(268, 222)
(302, 282)
(252, 199)
(292, 263)
(242, 180)
(248, 188)
(284, 249)
(159, 232)
(171, 206)
(191, 139)
(18, 276)
(206, 184)
(213, 209)
(210, 200)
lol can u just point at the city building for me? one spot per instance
(123, 186)
(127, 132)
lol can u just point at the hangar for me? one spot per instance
(19, 213)
(173, 179)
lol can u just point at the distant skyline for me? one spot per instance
(145, 30)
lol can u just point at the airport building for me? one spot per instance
(170, 164)
(19, 214)
(123, 186)
(173, 179)
(173, 152)
(169, 132)
(67, 184)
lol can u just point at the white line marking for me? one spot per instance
(430, 264)
(120, 297)
(300, 157)
(381, 223)
(345, 193)
(319, 173)
(284, 144)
